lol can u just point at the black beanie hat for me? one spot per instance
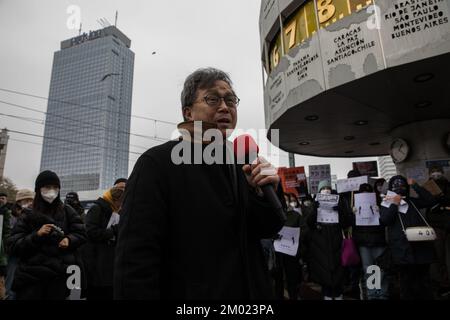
(72, 196)
(47, 178)
(399, 177)
(353, 174)
(120, 180)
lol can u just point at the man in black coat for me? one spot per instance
(193, 231)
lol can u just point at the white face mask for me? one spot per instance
(293, 204)
(436, 175)
(49, 195)
(325, 191)
(26, 205)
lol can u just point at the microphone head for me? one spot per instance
(245, 149)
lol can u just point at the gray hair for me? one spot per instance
(201, 79)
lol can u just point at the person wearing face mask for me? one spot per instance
(439, 219)
(101, 225)
(46, 242)
(23, 205)
(289, 267)
(324, 243)
(371, 242)
(412, 259)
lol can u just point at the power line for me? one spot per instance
(63, 148)
(84, 106)
(42, 122)
(73, 142)
(37, 121)
(107, 129)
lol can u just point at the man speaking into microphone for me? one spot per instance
(191, 230)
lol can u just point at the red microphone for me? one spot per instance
(245, 149)
(246, 152)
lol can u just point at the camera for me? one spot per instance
(56, 232)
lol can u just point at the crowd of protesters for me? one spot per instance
(43, 235)
(408, 269)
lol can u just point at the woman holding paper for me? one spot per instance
(370, 237)
(324, 242)
(413, 258)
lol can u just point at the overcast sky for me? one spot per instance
(186, 35)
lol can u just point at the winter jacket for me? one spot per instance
(324, 247)
(98, 253)
(192, 231)
(369, 236)
(405, 252)
(439, 215)
(41, 260)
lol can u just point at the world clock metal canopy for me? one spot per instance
(342, 75)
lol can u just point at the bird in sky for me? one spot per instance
(108, 75)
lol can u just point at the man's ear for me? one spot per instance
(187, 113)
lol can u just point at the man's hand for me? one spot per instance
(45, 230)
(64, 243)
(261, 173)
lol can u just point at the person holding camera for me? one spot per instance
(46, 243)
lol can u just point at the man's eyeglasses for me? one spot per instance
(215, 101)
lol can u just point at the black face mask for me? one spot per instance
(400, 187)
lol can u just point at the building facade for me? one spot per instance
(387, 167)
(86, 140)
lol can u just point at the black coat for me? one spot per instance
(188, 232)
(98, 253)
(324, 247)
(439, 216)
(41, 261)
(369, 236)
(405, 252)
